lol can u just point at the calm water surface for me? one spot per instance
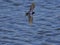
(15, 29)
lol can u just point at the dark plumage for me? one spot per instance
(27, 13)
(33, 13)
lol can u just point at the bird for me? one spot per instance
(30, 13)
(32, 6)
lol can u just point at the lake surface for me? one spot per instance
(15, 29)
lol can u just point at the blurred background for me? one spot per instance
(14, 26)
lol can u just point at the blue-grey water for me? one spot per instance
(14, 26)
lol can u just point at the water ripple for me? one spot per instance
(53, 41)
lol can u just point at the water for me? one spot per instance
(15, 29)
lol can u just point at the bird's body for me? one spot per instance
(32, 7)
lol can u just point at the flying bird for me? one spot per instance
(30, 13)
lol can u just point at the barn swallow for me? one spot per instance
(30, 13)
(32, 6)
